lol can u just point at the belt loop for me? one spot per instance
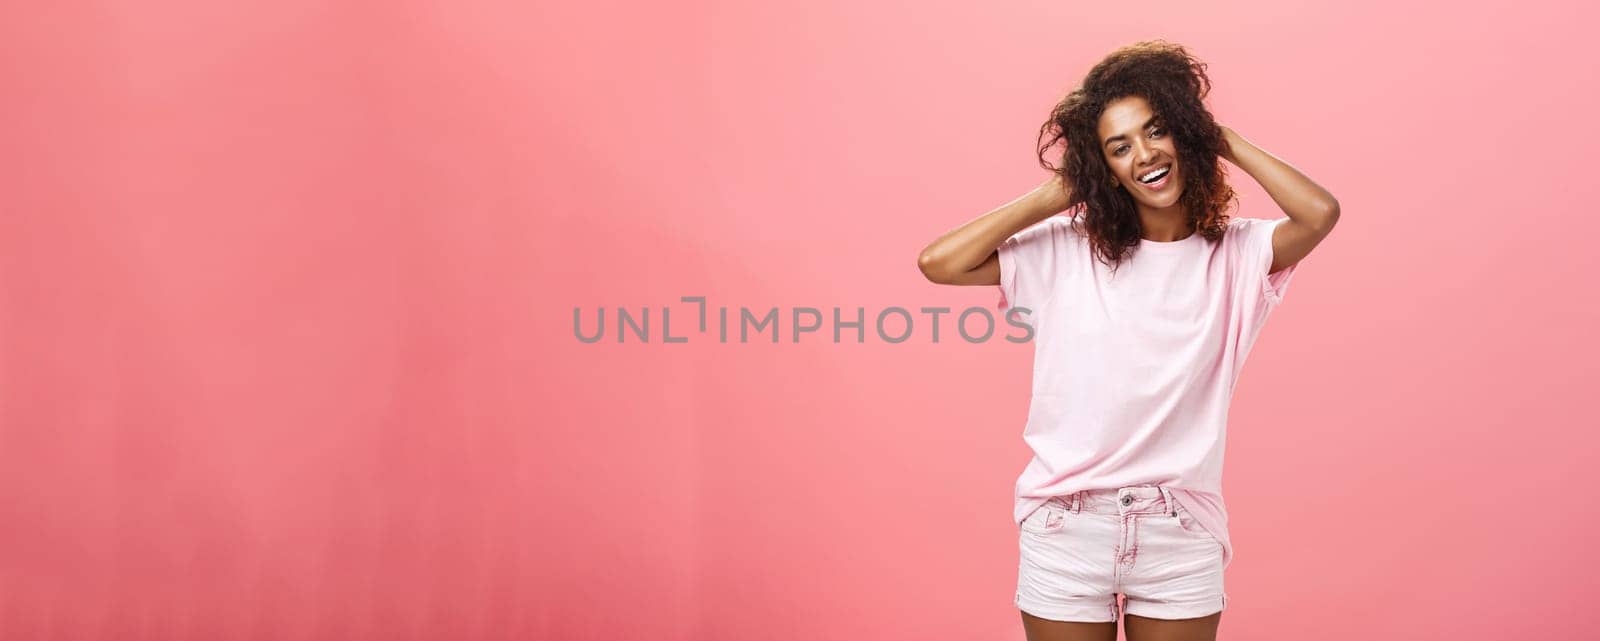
(1075, 502)
(1168, 502)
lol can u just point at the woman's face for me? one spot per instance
(1137, 145)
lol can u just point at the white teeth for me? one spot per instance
(1153, 175)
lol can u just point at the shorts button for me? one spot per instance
(1127, 499)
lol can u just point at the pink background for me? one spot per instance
(286, 299)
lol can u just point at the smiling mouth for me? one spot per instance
(1156, 179)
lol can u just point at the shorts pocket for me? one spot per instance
(1046, 519)
(1193, 527)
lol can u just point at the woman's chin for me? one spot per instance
(1162, 202)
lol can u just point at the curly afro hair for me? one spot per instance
(1174, 82)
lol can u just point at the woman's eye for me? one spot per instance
(1157, 132)
(1120, 150)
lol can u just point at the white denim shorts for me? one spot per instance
(1079, 552)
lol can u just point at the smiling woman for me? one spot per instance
(1146, 301)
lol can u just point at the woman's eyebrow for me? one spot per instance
(1143, 127)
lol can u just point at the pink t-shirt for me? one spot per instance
(1133, 372)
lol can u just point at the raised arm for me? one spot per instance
(967, 254)
(1312, 211)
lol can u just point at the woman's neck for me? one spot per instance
(1164, 225)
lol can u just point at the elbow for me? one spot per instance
(931, 267)
(1329, 214)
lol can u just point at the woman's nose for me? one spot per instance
(1144, 153)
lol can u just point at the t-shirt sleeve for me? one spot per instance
(1265, 290)
(1255, 292)
(1030, 261)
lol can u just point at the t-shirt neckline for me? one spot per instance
(1160, 245)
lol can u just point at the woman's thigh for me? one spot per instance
(1039, 629)
(1148, 629)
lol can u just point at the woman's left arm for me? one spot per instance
(1311, 209)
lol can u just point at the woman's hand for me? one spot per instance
(1052, 194)
(1227, 143)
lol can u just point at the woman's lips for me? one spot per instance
(1157, 185)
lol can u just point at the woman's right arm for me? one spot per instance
(967, 255)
